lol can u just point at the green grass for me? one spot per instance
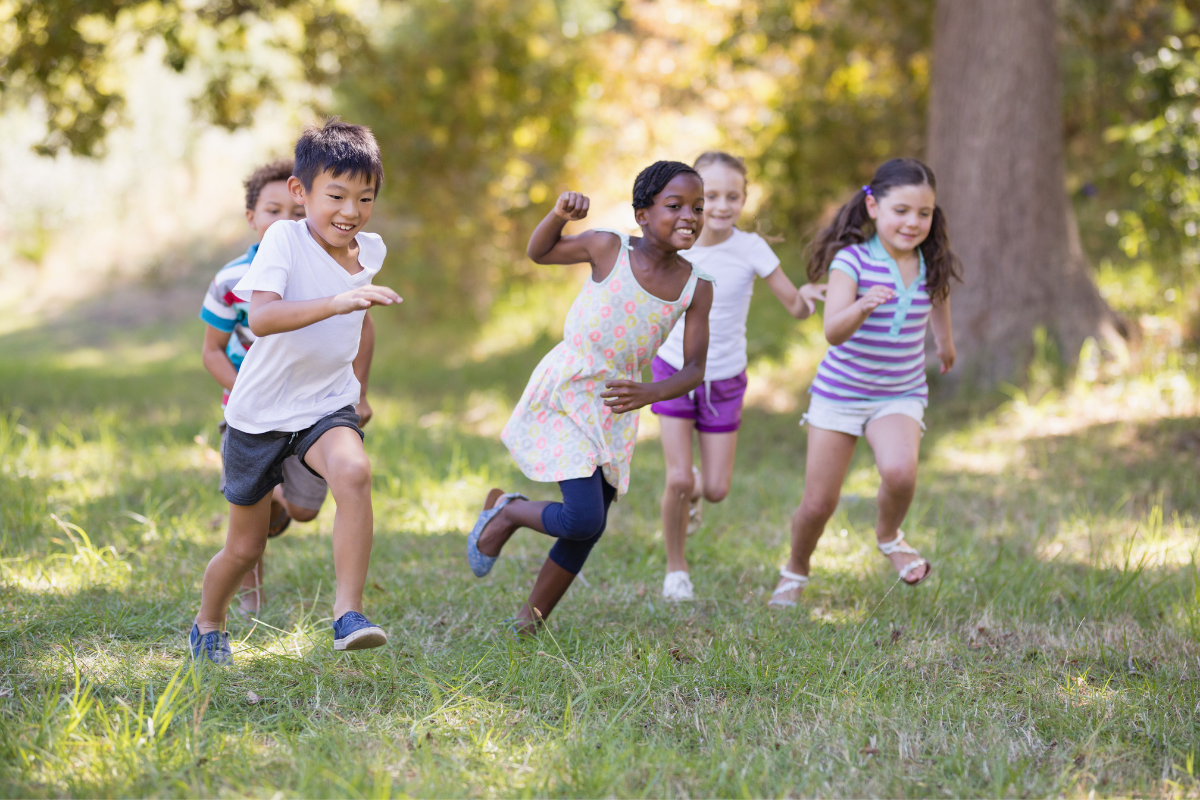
(1054, 651)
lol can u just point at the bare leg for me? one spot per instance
(251, 589)
(515, 515)
(896, 440)
(244, 545)
(717, 451)
(829, 454)
(681, 487)
(552, 583)
(252, 585)
(339, 458)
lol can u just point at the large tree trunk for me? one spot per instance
(996, 145)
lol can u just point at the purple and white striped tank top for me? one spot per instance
(885, 358)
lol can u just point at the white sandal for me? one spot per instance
(791, 581)
(898, 545)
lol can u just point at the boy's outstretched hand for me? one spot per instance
(572, 206)
(364, 297)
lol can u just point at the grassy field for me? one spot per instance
(1054, 651)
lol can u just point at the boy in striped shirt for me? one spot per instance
(228, 337)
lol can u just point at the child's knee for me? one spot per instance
(716, 493)
(350, 474)
(819, 509)
(680, 482)
(246, 551)
(302, 514)
(585, 523)
(901, 477)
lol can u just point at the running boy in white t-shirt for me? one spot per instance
(309, 287)
(714, 411)
(227, 339)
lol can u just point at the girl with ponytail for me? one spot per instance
(890, 266)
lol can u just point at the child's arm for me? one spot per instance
(625, 396)
(362, 368)
(801, 302)
(269, 313)
(547, 245)
(943, 335)
(845, 312)
(216, 360)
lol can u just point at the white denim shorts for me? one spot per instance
(853, 419)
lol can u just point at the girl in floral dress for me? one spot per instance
(576, 423)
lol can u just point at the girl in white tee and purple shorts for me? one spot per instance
(714, 410)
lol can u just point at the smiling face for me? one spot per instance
(903, 216)
(724, 197)
(337, 208)
(677, 216)
(274, 203)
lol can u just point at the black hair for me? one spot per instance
(340, 148)
(853, 225)
(279, 170)
(654, 178)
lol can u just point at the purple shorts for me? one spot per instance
(716, 406)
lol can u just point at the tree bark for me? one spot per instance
(996, 146)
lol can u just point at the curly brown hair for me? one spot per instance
(853, 225)
(279, 170)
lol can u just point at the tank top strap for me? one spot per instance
(624, 236)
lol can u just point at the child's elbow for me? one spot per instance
(257, 325)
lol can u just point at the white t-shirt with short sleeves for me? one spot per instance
(733, 264)
(291, 380)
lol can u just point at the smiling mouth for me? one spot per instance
(342, 227)
(686, 231)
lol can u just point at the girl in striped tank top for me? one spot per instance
(888, 257)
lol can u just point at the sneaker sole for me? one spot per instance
(364, 639)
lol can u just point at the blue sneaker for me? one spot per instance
(212, 646)
(353, 631)
(480, 564)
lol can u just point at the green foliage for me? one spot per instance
(854, 96)
(67, 54)
(1132, 110)
(473, 104)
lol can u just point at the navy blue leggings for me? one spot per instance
(579, 520)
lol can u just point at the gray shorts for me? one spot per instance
(252, 464)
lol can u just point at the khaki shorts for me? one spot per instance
(853, 419)
(300, 487)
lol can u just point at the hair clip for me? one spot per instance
(867, 190)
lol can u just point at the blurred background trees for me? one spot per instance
(486, 110)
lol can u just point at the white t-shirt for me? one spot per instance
(290, 380)
(733, 263)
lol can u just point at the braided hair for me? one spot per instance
(853, 225)
(654, 178)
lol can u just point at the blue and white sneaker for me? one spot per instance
(480, 564)
(353, 631)
(212, 646)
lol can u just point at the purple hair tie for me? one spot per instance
(867, 190)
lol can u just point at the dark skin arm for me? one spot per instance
(362, 368)
(623, 396)
(547, 245)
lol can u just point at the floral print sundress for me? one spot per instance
(561, 428)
